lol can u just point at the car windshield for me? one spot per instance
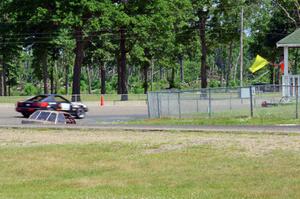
(60, 99)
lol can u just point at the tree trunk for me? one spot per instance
(146, 67)
(235, 68)
(4, 69)
(44, 56)
(123, 69)
(161, 73)
(152, 72)
(1, 77)
(145, 74)
(181, 68)
(56, 77)
(222, 78)
(52, 81)
(202, 26)
(79, 54)
(228, 71)
(172, 79)
(8, 83)
(118, 59)
(88, 71)
(67, 79)
(103, 78)
(4, 78)
(296, 61)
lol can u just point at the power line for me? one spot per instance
(41, 35)
(227, 7)
(114, 37)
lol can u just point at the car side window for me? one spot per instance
(60, 99)
(43, 116)
(61, 118)
(37, 98)
(52, 117)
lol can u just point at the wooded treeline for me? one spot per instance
(127, 46)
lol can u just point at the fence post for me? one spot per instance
(168, 104)
(158, 108)
(297, 97)
(179, 105)
(230, 100)
(209, 102)
(251, 101)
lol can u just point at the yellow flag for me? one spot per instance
(258, 64)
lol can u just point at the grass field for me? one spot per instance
(97, 164)
(282, 114)
(204, 120)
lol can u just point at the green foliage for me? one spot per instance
(214, 83)
(29, 89)
(42, 36)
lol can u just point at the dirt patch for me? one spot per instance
(246, 144)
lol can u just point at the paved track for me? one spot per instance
(97, 115)
(104, 117)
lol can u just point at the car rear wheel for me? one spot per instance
(80, 113)
(26, 114)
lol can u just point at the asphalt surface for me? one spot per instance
(96, 115)
(106, 117)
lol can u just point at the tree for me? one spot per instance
(202, 12)
(85, 19)
(9, 50)
(36, 27)
(269, 29)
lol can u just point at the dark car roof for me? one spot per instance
(45, 97)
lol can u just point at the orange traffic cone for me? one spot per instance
(101, 100)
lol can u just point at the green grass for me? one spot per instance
(282, 114)
(216, 121)
(124, 170)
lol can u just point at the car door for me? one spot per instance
(63, 103)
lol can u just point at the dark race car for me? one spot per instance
(51, 102)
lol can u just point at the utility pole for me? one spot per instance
(241, 48)
(152, 71)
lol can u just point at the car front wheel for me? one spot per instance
(80, 113)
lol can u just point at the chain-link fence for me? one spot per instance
(253, 101)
